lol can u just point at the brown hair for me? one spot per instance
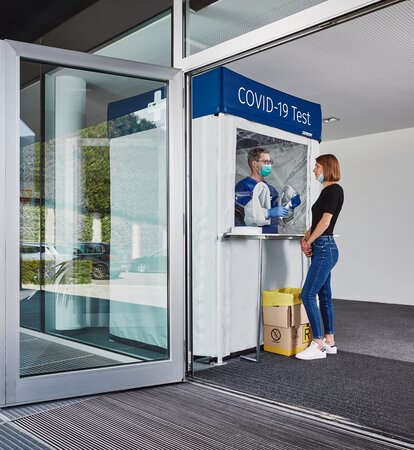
(331, 170)
(254, 155)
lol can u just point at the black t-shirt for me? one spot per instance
(330, 201)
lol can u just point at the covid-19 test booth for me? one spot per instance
(232, 115)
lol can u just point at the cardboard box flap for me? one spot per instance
(285, 316)
(277, 315)
(299, 316)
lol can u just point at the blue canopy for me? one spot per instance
(222, 90)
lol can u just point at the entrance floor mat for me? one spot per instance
(11, 438)
(11, 413)
(186, 416)
(370, 391)
(40, 356)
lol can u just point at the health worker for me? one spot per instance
(256, 201)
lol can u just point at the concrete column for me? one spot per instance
(70, 101)
(69, 120)
(97, 227)
(50, 232)
(136, 241)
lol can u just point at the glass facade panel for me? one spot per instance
(209, 23)
(93, 220)
(149, 42)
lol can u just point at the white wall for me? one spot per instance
(376, 227)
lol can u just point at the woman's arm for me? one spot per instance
(323, 224)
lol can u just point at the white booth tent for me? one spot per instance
(231, 115)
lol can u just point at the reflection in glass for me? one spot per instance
(149, 42)
(93, 203)
(209, 23)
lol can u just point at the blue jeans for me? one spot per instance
(318, 282)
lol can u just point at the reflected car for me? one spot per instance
(155, 262)
(34, 251)
(105, 264)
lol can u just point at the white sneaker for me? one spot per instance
(330, 349)
(312, 352)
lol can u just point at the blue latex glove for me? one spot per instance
(295, 201)
(277, 211)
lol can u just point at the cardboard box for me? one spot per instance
(286, 341)
(286, 330)
(285, 316)
(281, 297)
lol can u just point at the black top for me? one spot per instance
(330, 201)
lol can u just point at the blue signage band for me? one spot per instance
(222, 90)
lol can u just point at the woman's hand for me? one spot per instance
(306, 248)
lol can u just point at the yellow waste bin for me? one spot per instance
(282, 297)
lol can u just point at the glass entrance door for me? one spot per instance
(94, 194)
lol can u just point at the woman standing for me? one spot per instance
(320, 245)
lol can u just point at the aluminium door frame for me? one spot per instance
(2, 221)
(16, 390)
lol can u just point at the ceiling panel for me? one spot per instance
(28, 20)
(361, 71)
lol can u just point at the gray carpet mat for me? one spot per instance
(367, 390)
(376, 329)
(185, 417)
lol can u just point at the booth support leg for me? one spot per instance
(259, 307)
(220, 305)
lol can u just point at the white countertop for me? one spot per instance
(260, 236)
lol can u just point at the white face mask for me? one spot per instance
(321, 179)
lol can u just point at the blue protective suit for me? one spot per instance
(243, 194)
